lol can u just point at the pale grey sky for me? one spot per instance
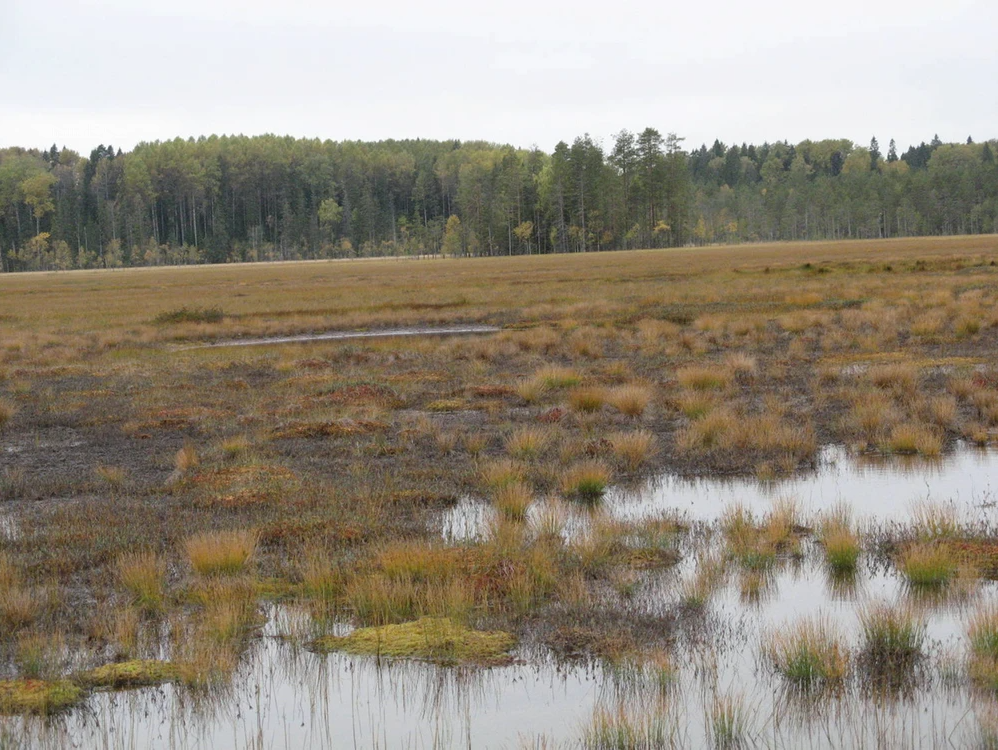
(519, 71)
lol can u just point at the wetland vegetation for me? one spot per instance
(458, 529)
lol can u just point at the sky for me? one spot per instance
(526, 72)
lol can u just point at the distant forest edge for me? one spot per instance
(236, 198)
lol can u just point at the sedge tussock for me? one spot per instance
(221, 552)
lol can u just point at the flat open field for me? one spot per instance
(161, 500)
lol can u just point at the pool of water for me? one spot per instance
(287, 697)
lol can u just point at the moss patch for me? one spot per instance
(37, 696)
(133, 673)
(437, 639)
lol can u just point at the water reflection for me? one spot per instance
(285, 696)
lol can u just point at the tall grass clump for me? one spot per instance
(322, 580)
(928, 566)
(632, 449)
(528, 443)
(143, 575)
(235, 446)
(630, 400)
(587, 480)
(512, 500)
(893, 635)
(935, 521)
(808, 653)
(900, 377)
(704, 378)
(696, 404)
(587, 400)
(841, 543)
(221, 552)
(500, 473)
(19, 606)
(912, 438)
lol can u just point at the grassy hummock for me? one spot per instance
(41, 697)
(437, 639)
(132, 673)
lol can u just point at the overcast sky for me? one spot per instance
(526, 72)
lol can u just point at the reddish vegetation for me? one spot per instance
(982, 553)
(554, 414)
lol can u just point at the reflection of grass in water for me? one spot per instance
(627, 728)
(982, 632)
(893, 642)
(728, 722)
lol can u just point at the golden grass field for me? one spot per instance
(155, 488)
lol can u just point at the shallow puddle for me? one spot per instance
(877, 489)
(456, 330)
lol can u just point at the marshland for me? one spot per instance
(727, 496)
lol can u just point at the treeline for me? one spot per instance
(237, 198)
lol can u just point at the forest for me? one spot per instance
(224, 199)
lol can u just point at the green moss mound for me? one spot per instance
(436, 639)
(41, 697)
(133, 673)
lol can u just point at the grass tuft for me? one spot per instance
(143, 575)
(587, 400)
(893, 636)
(704, 378)
(630, 400)
(928, 566)
(586, 480)
(512, 500)
(528, 443)
(632, 449)
(221, 552)
(912, 438)
(808, 653)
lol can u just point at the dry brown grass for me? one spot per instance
(632, 449)
(351, 527)
(914, 438)
(704, 377)
(631, 400)
(512, 500)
